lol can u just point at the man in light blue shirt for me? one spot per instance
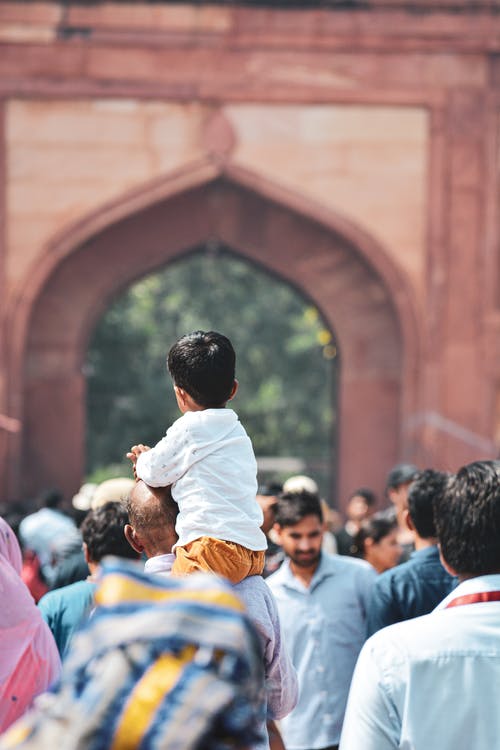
(432, 682)
(322, 602)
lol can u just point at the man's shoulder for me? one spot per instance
(72, 592)
(405, 638)
(347, 565)
(276, 579)
(394, 576)
(419, 638)
(253, 586)
(257, 596)
(410, 570)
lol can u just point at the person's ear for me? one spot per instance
(368, 543)
(234, 390)
(408, 521)
(85, 552)
(132, 539)
(277, 533)
(180, 394)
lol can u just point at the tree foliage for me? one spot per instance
(286, 360)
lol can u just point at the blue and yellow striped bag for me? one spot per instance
(163, 663)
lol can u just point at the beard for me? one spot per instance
(306, 560)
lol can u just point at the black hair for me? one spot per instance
(292, 507)
(401, 474)
(377, 527)
(271, 489)
(467, 517)
(203, 364)
(50, 498)
(102, 532)
(428, 486)
(366, 494)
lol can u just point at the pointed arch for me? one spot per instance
(362, 295)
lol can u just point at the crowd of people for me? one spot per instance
(188, 607)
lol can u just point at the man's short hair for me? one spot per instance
(103, 532)
(428, 486)
(154, 520)
(203, 364)
(401, 474)
(467, 517)
(368, 495)
(270, 489)
(292, 507)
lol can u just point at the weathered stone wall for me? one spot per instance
(377, 126)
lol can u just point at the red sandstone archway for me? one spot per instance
(341, 268)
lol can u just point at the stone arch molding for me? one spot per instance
(360, 292)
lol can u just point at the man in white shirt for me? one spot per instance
(432, 682)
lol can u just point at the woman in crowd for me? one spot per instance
(29, 660)
(9, 546)
(377, 543)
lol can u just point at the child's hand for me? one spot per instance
(135, 452)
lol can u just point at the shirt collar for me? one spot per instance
(325, 569)
(472, 586)
(419, 554)
(160, 563)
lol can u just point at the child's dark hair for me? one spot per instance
(202, 364)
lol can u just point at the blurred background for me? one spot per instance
(317, 180)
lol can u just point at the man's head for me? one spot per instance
(467, 517)
(299, 527)
(360, 504)
(51, 498)
(103, 533)
(398, 481)
(428, 486)
(202, 365)
(151, 520)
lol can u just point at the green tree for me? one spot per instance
(286, 360)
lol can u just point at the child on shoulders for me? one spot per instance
(208, 458)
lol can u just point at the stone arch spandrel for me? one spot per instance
(354, 291)
(357, 306)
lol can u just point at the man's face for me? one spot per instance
(357, 509)
(302, 542)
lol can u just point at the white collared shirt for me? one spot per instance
(208, 459)
(160, 564)
(431, 682)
